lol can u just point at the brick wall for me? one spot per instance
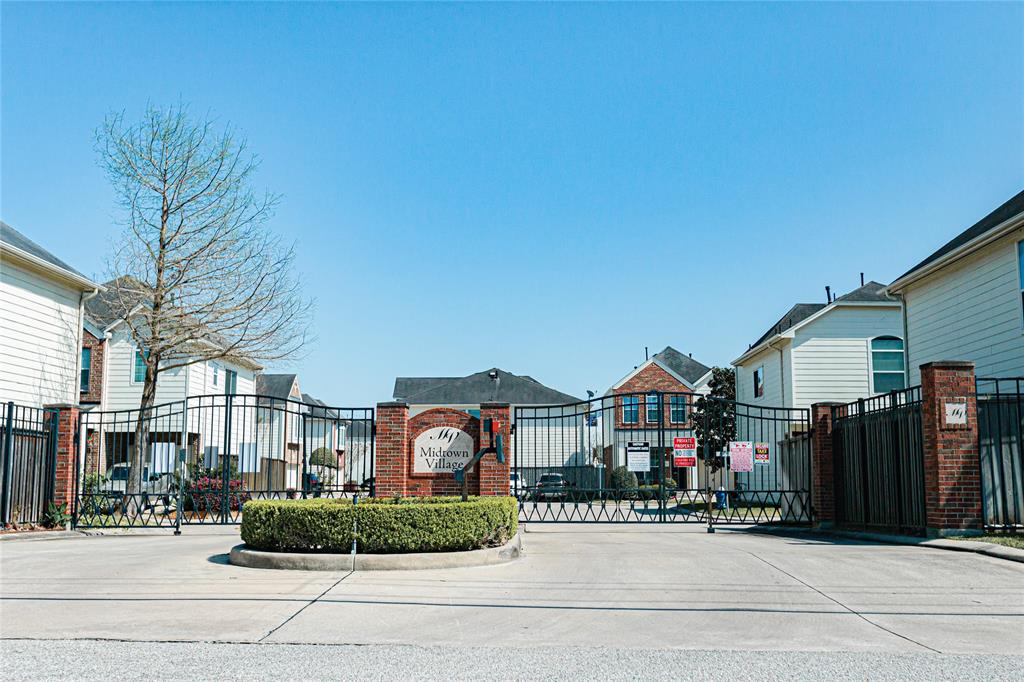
(651, 378)
(494, 475)
(952, 471)
(98, 349)
(64, 481)
(442, 483)
(389, 468)
(823, 507)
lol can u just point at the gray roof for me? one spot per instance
(478, 388)
(683, 365)
(108, 306)
(9, 235)
(872, 292)
(1014, 206)
(275, 385)
(318, 408)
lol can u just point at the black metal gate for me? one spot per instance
(203, 458)
(878, 464)
(614, 459)
(1001, 449)
(28, 461)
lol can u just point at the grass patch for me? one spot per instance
(1015, 540)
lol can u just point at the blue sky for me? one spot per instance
(543, 188)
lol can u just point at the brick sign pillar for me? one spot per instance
(952, 471)
(391, 455)
(494, 476)
(64, 471)
(823, 504)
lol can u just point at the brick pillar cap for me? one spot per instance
(60, 406)
(492, 405)
(829, 403)
(393, 403)
(950, 364)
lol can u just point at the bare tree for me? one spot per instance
(198, 275)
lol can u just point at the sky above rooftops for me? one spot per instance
(542, 188)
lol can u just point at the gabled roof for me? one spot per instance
(1012, 208)
(870, 293)
(478, 388)
(683, 365)
(275, 385)
(318, 408)
(13, 240)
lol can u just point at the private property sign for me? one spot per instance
(441, 449)
(741, 456)
(684, 452)
(638, 455)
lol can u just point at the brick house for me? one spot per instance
(93, 366)
(666, 383)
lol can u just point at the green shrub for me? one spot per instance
(384, 525)
(324, 457)
(623, 479)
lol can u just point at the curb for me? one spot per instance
(40, 535)
(241, 555)
(985, 548)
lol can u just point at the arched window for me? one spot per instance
(887, 368)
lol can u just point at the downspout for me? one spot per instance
(906, 336)
(782, 373)
(82, 298)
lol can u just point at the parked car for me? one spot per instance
(515, 486)
(156, 490)
(551, 487)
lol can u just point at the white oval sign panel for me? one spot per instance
(441, 448)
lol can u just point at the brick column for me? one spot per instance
(952, 471)
(494, 476)
(65, 474)
(390, 466)
(823, 504)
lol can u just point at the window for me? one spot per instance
(759, 382)
(140, 366)
(677, 409)
(652, 408)
(216, 372)
(230, 381)
(887, 364)
(630, 409)
(86, 366)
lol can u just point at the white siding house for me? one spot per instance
(820, 352)
(966, 300)
(41, 301)
(840, 351)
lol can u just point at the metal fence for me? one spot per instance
(1000, 432)
(614, 459)
(878, 454)
(200, 459)
(28, 460)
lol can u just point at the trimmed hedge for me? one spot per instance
(385, 525)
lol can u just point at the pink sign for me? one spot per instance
(741, 456)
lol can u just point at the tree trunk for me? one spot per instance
(133, 488)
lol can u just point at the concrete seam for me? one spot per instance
(836, 601)
(305, 606)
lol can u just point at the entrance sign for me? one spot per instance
(741, 456)
(762, 454)
(684, 452)
(441, 449)
(638, 455)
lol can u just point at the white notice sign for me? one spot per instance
(440, 449)
(638, 455)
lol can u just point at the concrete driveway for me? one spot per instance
(609, 587)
